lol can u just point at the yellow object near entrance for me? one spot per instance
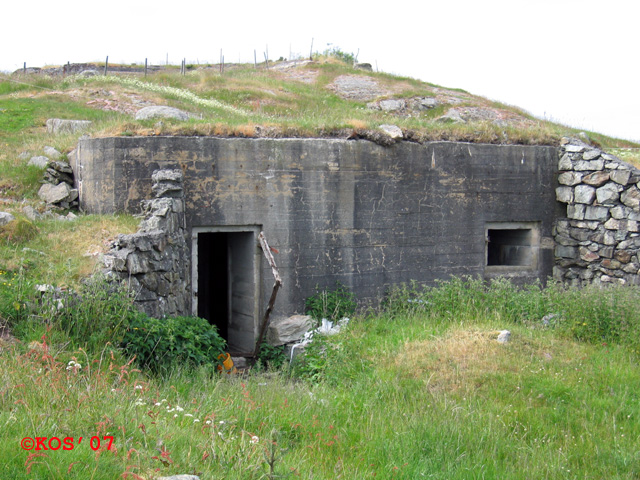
(227, 364)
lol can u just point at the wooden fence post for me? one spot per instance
(106, 65)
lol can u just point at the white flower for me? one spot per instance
(195, 420)
(179, 408)
(254, 439)
(157, 404)
(175, 415)
(188, 415)
(138, 387)
(208, 422)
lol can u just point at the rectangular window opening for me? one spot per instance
(510, 247)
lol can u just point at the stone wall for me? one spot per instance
(599, 239)
(155, 260)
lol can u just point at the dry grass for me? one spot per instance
(463, 359)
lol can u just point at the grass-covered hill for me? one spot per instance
(419, 388)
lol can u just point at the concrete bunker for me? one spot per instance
(226, 279)
(365, 215)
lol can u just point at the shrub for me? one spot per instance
(161, 345)
(271, 357)
(331, 304)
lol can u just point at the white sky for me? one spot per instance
(573, 61)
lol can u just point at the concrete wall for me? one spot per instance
(353, 211)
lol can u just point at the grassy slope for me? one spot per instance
(404, 397)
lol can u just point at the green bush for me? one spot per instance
(271, 357)
(331, 304)
(161, 345)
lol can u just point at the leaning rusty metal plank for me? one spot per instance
(276, 286)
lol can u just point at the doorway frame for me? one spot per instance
(257, 269)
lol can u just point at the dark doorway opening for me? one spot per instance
(227, 285)
(511, 247)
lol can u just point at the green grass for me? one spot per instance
(413, 391)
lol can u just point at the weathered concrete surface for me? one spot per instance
(366, 215)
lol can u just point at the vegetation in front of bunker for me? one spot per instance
(429, 375)
(161, 345)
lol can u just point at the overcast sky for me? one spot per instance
(573, 61)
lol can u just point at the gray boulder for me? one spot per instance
(147, 113)
(31, 213)
(392, 130)
(504, 336)
(288, 329)
(5, 218)
(57, 193)
(39, 161)
(52, 153)
(58, 125)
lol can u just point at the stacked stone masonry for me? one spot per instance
(155, 260)
(599, 240)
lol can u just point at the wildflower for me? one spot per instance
(175, 415)
(157, 404)
(188, 415)
(138, 387)
(196, 420)
(208, 422)
(254, 439)
(179, 408)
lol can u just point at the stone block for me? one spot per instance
(564, 240)
(573, 148)
(596, 179)
(621, 177)
(288, 329)
(138, 263)
(619, 212)
(622, 256)
(608, 194)
(562, 251)
(584, 165)
(613, 224)
(576, 211)
(596, 213)
(631, 198)
(609, 238)
(584, 194)
(591, 154)
(587, 255)
(569, 178)
(611, 264)
(564, 194)
(580, 234)
(606, 252)
(565, 162)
